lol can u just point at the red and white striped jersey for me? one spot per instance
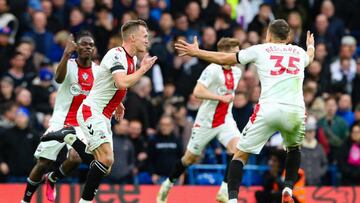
(219, 81)
(72, 91)
(104, 96)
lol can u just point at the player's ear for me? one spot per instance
(132, 36)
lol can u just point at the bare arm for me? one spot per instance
(201, 92)
(62, 67)
(213, 57)
(310, 43)
(123, 81)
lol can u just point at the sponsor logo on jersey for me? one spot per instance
(76, 90)
(223, 90)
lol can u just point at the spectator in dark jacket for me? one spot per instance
(124, 152)
(313, 159)
(164, 150)
(21, 136)
(349, 159)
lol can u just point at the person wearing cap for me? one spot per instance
(41, 91)
(313, 159)
(343, 69)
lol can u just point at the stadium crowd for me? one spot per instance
(160, 109)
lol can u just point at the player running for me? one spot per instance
(281, 107)
(216, 86)
(117, 73)
(76, 77)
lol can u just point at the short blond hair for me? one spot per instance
(227, 43)
(130, 27)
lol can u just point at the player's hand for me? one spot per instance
(310, 39)
(120, 112)
(227, 98)
(70, 46)
(147, 62)
(185, 48)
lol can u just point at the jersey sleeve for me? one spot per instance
(206, 76)
(247, 55)
(114, 61)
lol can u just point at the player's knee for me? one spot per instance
(107, 160)
(189, 159)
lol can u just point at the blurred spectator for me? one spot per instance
(53, 24)
(8, 21)
(272, 183)
(223, 25)
(164, 150)
(26, 47)
(6, 90)
(17, 162)
(242, 109)
(182, 27)
(349, 159)
(313, 159)
(183, 124)
(142, 9)
(137, 104)
(76, 21)
(192, 11)
(335, 128)
(336, 25)
(345, 109)
(43, 38)
(42, 89)
(102, 29)
(60, 40)
(208, 9)
(246, 11)
(314, 72)
(357, 113)
(16, 70)
(208, 39)
(8, 115)
(88, 9)
(261, 21)
(120, 7)
(298, 35)
(61, 11)
(140, 146)
(166, 24)
(124, 162)
(314, 105)
(288, 6)
(321, 34)
(239, 34)
(24, 101)
(355, 95)
(5, 48)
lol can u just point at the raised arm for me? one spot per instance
(310, 44)
(201, 92)
(123, 81)
(220, 58)
(62, 67)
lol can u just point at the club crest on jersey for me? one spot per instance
(85, 76)
(76, 90)
(223, 90)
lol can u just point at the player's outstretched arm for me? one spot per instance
(123, 81)
(62, 67)
(310, 44)
(201, 92)
(220, 58)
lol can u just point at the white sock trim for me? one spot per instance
(84, 201)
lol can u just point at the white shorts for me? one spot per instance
(201, 136)
(269, 118)
(95, 126)
(50, 149)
